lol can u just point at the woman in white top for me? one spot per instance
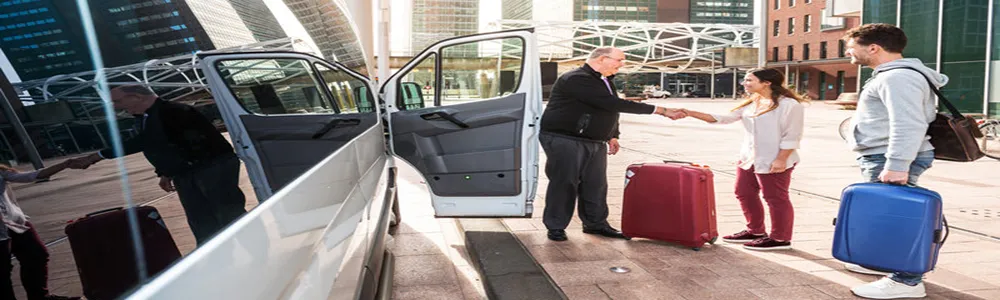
(19, 238)
(772, 118)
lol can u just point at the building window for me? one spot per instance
(791, 26)
(822, 50)
(841, 48)
(791, 53)
(809, 1)
(807, 25)
(791, 3)
(777, 4)
(830, 23)
(803, 82)
(805, 52)
(777, 27)
(774, 54)
(840, 82)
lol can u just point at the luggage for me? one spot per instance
(103, 250)
(890, 227)
(670, 201)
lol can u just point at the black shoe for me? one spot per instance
(608, 231)
(558, 235)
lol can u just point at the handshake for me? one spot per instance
(81, 163)
(672, 113)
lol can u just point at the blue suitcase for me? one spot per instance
(890, 227)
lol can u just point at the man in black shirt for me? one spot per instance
(188, 154)
(579, 128)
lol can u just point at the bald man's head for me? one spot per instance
(134, 99)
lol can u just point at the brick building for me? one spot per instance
(806, 44)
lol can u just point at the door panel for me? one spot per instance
(287, 112)
(474, 137)
(481, 160)
(290, 145)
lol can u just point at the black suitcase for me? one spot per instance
(104, 253)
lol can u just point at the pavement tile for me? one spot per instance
(957, 281)
(790, 279)
(418, 244)
(547, 253)
(421, 292)
(588, 251)
(731, 282)
(585, 292)
(836, 291)
(594, 272)
(423, 270)
(639, 291)
(790, 293)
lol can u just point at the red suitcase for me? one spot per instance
(670, 201)
(104, 254)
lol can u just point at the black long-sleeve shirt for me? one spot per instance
(581, 106)
(175, 139)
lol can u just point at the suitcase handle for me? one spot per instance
(103, 211)
(947, 230)
(677, 161)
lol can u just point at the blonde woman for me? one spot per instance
(772, 118)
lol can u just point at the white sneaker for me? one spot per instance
(887, 288)
(859, 269)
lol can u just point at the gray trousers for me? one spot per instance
(211, 197)
(576, 169)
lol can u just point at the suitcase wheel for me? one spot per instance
(627, 238)
(712, 241)
(696, 248)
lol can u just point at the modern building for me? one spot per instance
(332, 32)
(516, 9)
(667, 11)
(805, 42)
(42, 38)
(958, 38)
(434, 20)
(259, 19)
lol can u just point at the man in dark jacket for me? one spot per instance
(188, 154)
(579, 128)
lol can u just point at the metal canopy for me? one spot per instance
(174, 78)
(649, 47)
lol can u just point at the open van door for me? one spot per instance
(465, 113)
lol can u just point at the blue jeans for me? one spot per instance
(871, 167)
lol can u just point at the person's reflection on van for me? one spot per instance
(188, 154)
(19, 238)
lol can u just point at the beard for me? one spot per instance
(860, 61)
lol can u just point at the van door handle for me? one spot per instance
(444, 115)
(329, 126)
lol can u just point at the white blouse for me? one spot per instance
(767, 134)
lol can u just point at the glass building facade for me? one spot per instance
(722, 11)
(38, 38)
(516, 10)
(43, 38)
(259, 19)
(331, 30)
(967, 49)
(435, 20)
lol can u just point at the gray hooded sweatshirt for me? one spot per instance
(893, 113)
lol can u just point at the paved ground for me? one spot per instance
(969, 266)
(431, 258)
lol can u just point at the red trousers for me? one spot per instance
(750, 185)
